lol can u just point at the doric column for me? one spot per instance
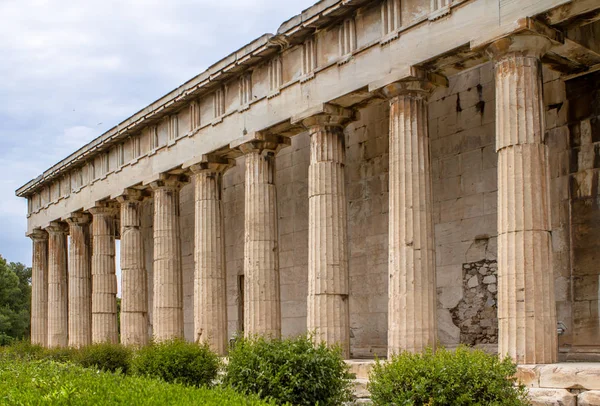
(328, 285)
(168, 278)
(134, 284)
(412, 300)
(80, 281)
(526, 307)
(57, 285)
(104, 278)
(262, 303)
(210, 296)
(39, 288)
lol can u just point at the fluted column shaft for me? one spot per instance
(168, 278)
(39, 288)
(526, 307)
(412, 316)
(80, 282)
(262, 303)
(210, 296)
(134, 285)
(262, 307)
(328, 285)
(104, 279)
(57, 285)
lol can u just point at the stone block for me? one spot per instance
(448, 332)
(571, 376)
(360, 368)
(551, 397)
(589, 398)
(449, 276)
(464, 81)
(528, 375)
(360, 389)
(443, 107)
(449, 297)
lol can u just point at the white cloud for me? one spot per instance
(73, 69)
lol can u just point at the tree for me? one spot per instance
(15, 300)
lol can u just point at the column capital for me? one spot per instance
(211, 163)
(131, 195)
(104, 208)
(78, 218)
(38, 235)
(168, 181)
(525, 45)
(260, 142)
(57, 227)
(408, 80)
(326, 114)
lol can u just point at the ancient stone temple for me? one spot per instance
(392, 175)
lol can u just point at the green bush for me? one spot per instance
(458, 378)
(177, 361)
(106, 357)
(60, 354)
(49, 383)
(23, 350)
(292, 370)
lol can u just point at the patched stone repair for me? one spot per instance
(476, 313)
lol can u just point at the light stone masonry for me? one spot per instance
(210, 283)
(412, 316)
(168, 282)
(134, 284)
(104, 279)
(526, 310)
(262, 300)
(80, 281)
(328, 314)
(39, 288)
(58, 327)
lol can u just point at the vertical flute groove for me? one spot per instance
(210, 296)
(134, 284)
(57, 286)
(39, 289)
(526, 310)
(327, 302)
(80, 283)
(168, 277)
(262, 309)
(104, 279)
(412, 317)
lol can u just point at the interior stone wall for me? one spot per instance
(463, 155)
(583, 113)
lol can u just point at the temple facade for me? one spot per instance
(390, 175)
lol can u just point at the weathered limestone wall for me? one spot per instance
(583, 95)
(461, 128)
(367, 166)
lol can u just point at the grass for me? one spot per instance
(46, 382)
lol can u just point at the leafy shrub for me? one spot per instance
(178, 361)
(49, 383)
(23, 350)
(292, 370)
(458, 378)
(106, 357)
(60, 354)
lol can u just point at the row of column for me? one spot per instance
(525, 304)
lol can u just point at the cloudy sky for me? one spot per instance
(70, 70)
